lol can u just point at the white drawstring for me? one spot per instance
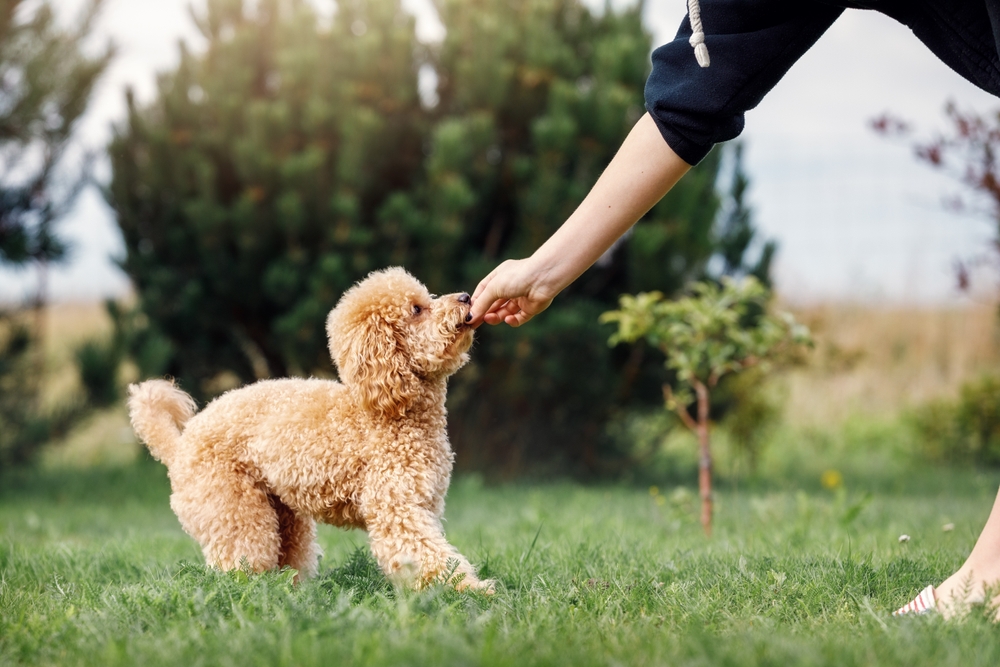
(697, 34)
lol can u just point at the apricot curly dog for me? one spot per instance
(254, 471)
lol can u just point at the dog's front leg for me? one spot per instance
(409, 544)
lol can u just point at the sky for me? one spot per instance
(856, 216)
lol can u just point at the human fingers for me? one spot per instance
(510, 314)
(518, 318)
(494, 295)
(500, 313)
(491, 285)
(491, 318)
(486, 299)
(487, 306)
(484, 283)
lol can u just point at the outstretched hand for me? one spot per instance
(642, 171)
(512, 293)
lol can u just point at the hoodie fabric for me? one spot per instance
(753, 43)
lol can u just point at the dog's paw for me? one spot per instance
(486, 586)
(406, 575)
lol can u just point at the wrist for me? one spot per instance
(546, 271)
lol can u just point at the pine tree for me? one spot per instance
(45, 85)
(735, 230)
(262, 182)
(46, 78)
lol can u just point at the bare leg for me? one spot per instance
(981, 570)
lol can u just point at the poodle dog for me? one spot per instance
(254, 470)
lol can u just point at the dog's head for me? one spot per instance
(388, 336)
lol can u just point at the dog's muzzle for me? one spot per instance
(466, 300)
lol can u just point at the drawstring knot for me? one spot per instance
(697, 40)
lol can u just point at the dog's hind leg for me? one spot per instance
(298, 540)
(232, 519)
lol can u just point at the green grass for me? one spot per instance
(94, 569)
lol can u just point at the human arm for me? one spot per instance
(691, 109)
(642, 171)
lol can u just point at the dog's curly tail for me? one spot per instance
(159, 410)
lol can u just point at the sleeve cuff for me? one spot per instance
(686, 150)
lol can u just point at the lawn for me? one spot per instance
(94, 569)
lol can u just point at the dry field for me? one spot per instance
(872, 361)
(107, 436)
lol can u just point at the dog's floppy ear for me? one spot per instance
(371, 357)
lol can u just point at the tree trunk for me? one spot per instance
(704, 459)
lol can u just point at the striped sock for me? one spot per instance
(922, 604)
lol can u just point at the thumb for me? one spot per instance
(483, 299)
(483, 305)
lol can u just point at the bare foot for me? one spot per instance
(959, 592)
(978, 579)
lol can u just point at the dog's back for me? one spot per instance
(291, 431)
(289, 434)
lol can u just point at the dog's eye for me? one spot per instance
(417, 309)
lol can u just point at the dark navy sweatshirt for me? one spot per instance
(753, 43)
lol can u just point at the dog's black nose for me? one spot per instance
(464, 298)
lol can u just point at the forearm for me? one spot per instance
(642, 171)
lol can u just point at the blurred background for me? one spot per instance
(187, 188)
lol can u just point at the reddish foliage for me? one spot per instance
(973, 144)
(968, 150)
(931, 153)
(962, 275)
(890, 125)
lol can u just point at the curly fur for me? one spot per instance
(254, 471)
